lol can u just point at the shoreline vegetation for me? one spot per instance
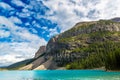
(63, 68)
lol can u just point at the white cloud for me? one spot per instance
(33, 9)
(23, 45)
(36, 24)
(18, 3)
(52, 32)
(23, 15)
(68, 12)
(8, 59)
(4, 34)
(16, 51)
(34, 30)
(109, 9)
(5, 6)
(63, 13)
(7, 23)
(15, 20)
(44, 28)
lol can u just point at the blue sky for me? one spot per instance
(25, 25)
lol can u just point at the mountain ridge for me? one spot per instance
(75, 48)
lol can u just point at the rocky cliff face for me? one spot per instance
(40, 51)
(39, 61)
(72, 44)
(75, 43)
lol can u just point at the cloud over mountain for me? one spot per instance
(67, 12)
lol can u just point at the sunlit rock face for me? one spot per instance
(41, 50)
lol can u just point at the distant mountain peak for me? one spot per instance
(116, 19)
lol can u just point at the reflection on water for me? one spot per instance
(60, 75)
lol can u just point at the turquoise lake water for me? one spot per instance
(59, 75)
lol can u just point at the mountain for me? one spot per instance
(117, 19)
(39, 62)
(41, 50)
(18, 64)
(87, 45)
